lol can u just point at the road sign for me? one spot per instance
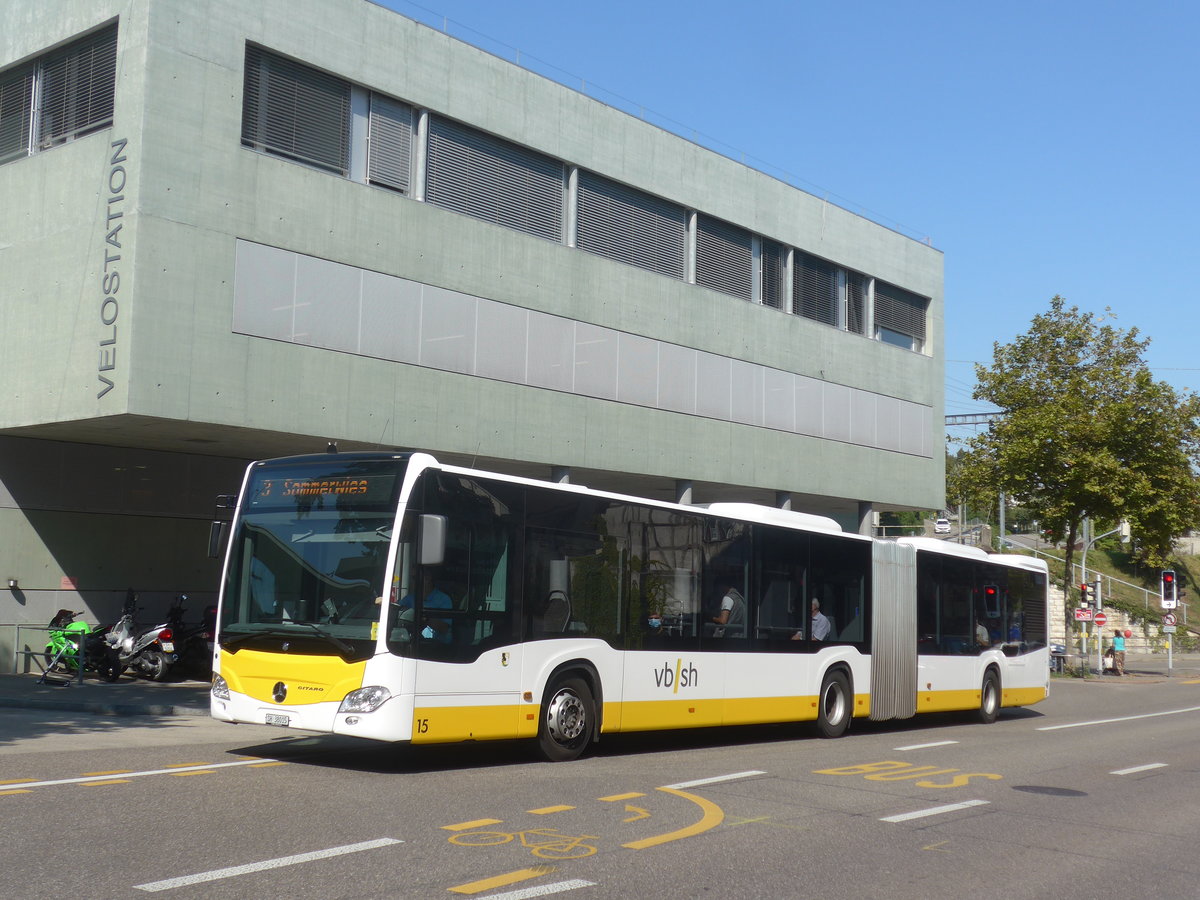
(1083, 615)
(1100, 618)
(1168, 629)
(1169, 619)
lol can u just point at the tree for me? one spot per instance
(1086, 432)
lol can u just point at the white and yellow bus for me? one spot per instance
(386, 596)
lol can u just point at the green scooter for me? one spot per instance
(71, 641)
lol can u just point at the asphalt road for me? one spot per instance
(1089, 794)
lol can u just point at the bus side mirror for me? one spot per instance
(216, 538)
(431, 540)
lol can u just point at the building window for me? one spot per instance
(630, 226)
(856, 302)
(62, 95)
(773, 268)
(815, 291)
(389, 161)
(899, 316)
(724, 260)
(483, 176)
(295, 111)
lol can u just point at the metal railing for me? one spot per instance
(38, 654)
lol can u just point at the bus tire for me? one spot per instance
(833, 705)
(989, 698)
(568, 719)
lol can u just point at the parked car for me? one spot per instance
(941, 526)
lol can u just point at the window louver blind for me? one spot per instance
(627, 225)
(389, 161)
(773, 263)
(723, 257)
(856, 295)
(900, 310)
(815, 289)
(78, 87)
(491, 179)
(296, 111)
(16, 114)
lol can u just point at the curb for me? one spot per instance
(103, 709)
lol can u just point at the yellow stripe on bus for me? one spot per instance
(309, 678)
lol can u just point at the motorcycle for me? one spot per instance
(70, 642)
(149, 652)
(193, 643)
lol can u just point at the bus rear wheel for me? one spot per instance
(568, 719)
(833, 705)
(989, 698)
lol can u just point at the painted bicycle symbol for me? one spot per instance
(545, 843)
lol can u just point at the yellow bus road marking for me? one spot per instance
(278, 863)
(193, 772)
(103, 783)
(477, 823)
(1193, 681)
(100, 774)
(190, 765)
(632, 795)
(938, 847)
(640, 813)
(94, 779)
(713, 816)
(486, 884)
(546, 810)
(267, 765)
(17, 781)
(6, 793)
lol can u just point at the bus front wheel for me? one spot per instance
(568, 718)
(989, 697)
(833, 705)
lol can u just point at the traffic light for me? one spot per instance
(1168, 589)
(1084, 594)
(991, 600)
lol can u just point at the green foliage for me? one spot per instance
(1086, 433)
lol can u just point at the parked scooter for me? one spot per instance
(69, 641)
(193, 643)
(149, 652)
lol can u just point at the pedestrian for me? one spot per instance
(1118, 648)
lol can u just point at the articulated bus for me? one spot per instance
(387, 596)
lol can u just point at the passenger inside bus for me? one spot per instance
(731, 619)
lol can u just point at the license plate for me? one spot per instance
(168, 647)
(276, 719)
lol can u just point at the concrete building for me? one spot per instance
(240, 230)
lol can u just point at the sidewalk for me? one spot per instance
(125, 697)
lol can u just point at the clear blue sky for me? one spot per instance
(1045, 147)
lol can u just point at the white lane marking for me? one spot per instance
(926, 746)
(719, 778)
(86, 778)
(542, 890)
(1170, 712)
(935, 811)
(278, 863)
(1134, 769)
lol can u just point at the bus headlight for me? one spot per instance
(220, 689)
(365, 700)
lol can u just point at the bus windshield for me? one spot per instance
(308, 558)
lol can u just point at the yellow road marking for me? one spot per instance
(17, 781)
(937, 846)
(113, 772)
(185, 765)
(196, 772)
(477, 823)
(266, 765)
(713, 816)
(1195, 681)
(102, 783)
(6, 793)
(486, 884)
(615, 797)
(545, 810)
(641, 813)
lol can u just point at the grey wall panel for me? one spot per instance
(389, 307)
(637, 372)
(551, 352)
(596, 361)
(887, 423)
(810, 406)
(264, 290)
(677, 378)
(746, 392)
(714, 378)
(502, 343)
(862, 418)
(448, 330)
(836, 421)
(327, 298)
(779, 400)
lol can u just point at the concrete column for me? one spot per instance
(560, 474)
(783, 499)
(865, 516)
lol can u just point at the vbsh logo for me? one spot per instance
(677, 677)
